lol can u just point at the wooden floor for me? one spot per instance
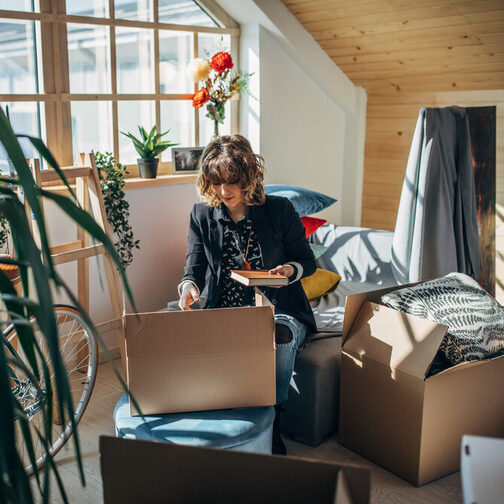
(386, 488)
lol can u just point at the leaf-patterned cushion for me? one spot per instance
(475, 319)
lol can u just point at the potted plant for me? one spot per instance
(34, 260)
(149, 146)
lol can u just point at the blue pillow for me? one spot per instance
(305, 201)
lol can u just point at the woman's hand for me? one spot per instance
(188, 295)
(283, 269)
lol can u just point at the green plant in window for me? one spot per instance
(149, 145)
(112, 181)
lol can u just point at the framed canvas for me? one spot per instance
(185, 159)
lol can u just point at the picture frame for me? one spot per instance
(186, 159)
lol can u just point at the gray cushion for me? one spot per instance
(312, 407)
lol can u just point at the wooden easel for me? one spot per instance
(87, 189)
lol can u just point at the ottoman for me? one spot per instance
(312, 408)
(241, 429)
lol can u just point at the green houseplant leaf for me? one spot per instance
(37, 263)
(149, 145)
(112, 181)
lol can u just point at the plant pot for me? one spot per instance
(148, 167)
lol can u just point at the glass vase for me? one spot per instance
(215, 130)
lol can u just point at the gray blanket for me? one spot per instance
(436, 229)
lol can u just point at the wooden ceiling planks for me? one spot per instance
(409, 54)
(385, 45)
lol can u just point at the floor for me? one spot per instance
(385, 487)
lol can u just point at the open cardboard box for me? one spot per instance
(144, 471)
(390, 412)
(201, 359)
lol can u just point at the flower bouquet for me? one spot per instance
(219, 84)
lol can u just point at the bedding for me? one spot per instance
(361, 256)
(475, 319)
(356, 254)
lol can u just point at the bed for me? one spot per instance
(361, 256)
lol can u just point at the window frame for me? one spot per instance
(53, 52)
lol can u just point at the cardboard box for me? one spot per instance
(395, 416)
(201, 359)
(144, 471)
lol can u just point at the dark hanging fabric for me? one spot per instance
(436, 229)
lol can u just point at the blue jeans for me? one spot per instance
(286, 353)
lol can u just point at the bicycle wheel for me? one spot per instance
(79, 353)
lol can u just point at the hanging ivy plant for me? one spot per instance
(112, 181)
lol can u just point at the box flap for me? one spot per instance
(342, 494)
(261, 299)
(396, 339)
(164, 332)
(354, 302)
(136, 471)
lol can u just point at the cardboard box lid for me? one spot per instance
(399, 340)
(256, 322)
(148, 472)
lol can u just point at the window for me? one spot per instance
(80, 76)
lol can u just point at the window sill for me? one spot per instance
(140, 183)
(159, 181)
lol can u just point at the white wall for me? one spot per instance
(160, 219)
(309, 119)
(302, 130)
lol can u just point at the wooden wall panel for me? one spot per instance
(386, 156)
(409, 54)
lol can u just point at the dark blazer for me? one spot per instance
(281, 237)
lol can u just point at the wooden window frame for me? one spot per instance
(56, 77)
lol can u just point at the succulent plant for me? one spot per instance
(149, 145)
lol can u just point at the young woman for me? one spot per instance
(239, 227)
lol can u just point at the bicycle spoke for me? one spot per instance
(78, 350)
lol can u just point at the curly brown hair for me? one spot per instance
(230, 159)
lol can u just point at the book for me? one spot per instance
(259, 278)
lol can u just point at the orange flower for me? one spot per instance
(200, 98)
(222, 61)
